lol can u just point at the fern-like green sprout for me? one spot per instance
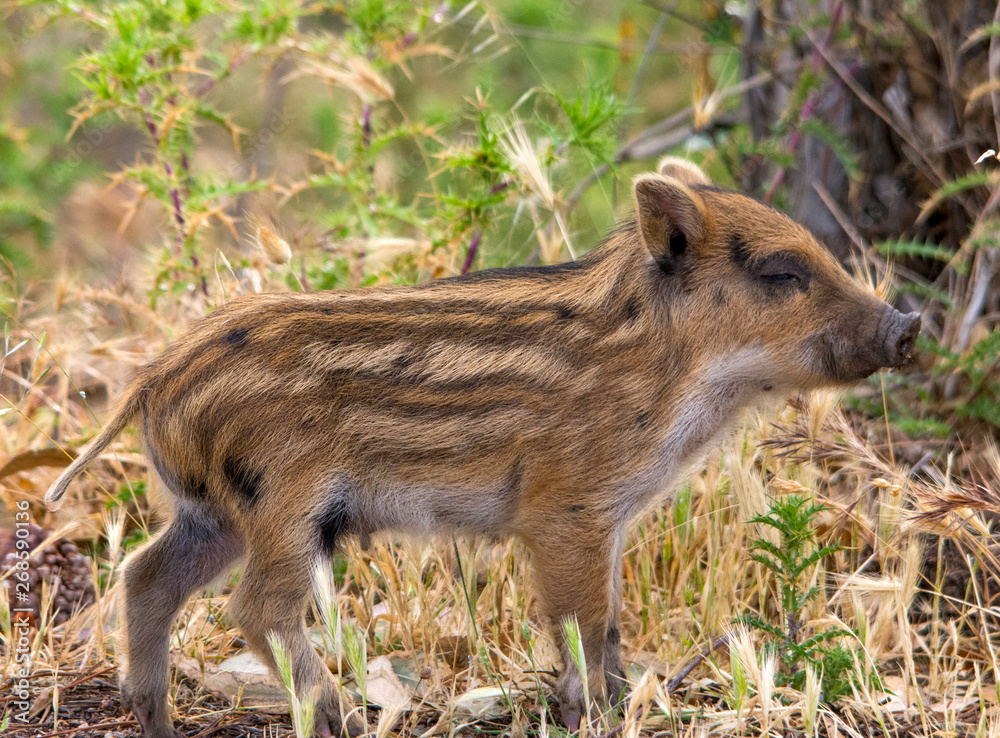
(791, 561)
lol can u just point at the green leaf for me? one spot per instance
(755, 622)
(915, 248)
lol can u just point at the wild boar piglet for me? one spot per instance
(550, 403)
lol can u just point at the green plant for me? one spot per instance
(303, 709)
(574, 643)
(791, 561)
(356, 651)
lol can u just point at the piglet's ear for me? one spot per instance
(671, 219)
(681, 169)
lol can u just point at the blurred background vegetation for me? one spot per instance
(157, 157)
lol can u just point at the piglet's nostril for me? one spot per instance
(909, 330)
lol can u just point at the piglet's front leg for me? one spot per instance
(578, 574)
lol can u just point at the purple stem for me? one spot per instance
(473, 248)
(366, 125)
(144, 99)
(233, 66)
(817, 57)
(809, 106)
(178, 214)
(175, 194)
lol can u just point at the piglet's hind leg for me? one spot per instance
(188, 555)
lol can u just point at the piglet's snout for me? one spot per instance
(898, 334)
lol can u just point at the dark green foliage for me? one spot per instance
(791, 562)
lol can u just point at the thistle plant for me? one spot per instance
(791, 561)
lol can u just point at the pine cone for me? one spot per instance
(61, 559)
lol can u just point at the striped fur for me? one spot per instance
(552, 403)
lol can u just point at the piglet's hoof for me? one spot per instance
(328, 724)
(570, 718)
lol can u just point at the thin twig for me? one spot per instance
(647, 54)
(99, 726)
(214, 727)
(86, 678)
(521, 31)
(718, 643)
(808, 109)
(983, 271)
(615, 730)
(993, 70)
(841, 217)
(672, 10)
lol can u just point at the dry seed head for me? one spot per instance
(886, 281)
(861, 624)
(890, 514)
(748, 489)
(62, 290)
(356, 75)
(791, 486)
(822, 404)
(765, 687)
(909, 571)
(275, 248)
(517, 147)
(813, 691)
(113, 524)
(743, 649)
(326, 602)
(390, 714)
(642, 695)
(366, 81)
(865, 584)
(942, 508)
(880, 284)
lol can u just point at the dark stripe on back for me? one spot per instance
(485, 382)
(546, 272)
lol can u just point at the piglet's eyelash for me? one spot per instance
(781, 277)
(782, 269)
